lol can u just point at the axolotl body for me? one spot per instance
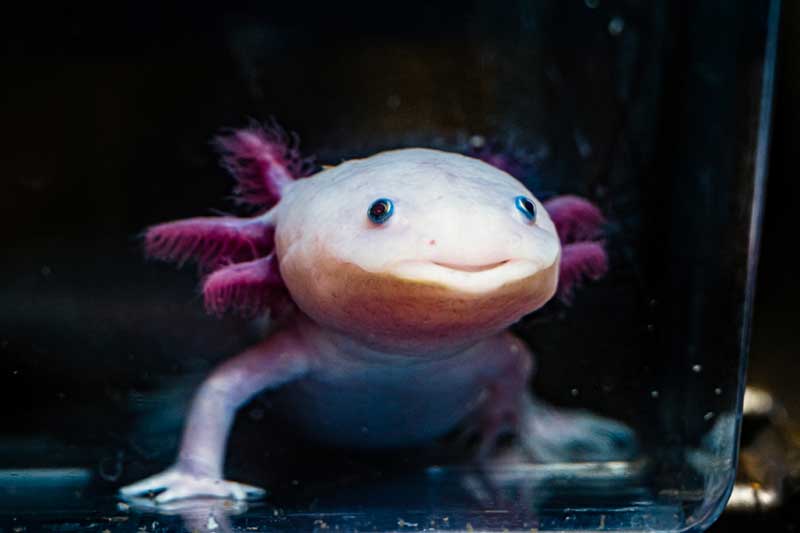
(392, 281)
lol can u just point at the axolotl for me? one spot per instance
(392, 281)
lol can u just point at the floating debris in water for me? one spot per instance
(616, 25)
(393, 102)
(477, 141)
(582, 144)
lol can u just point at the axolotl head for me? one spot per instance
(415, 249)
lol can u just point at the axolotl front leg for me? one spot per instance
(279, 359)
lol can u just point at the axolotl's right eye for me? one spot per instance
(381, 210)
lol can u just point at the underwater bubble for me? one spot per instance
(435, 470)
(718, 391)
(477, 141)
(393, 102)
(708, 416)
(697, 368)
(582, 144)
(591, 4)
(574, 392)
(654, 394)
(616, 25)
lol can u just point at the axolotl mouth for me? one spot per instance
(467, 278)
(413, 304)
(471, 268)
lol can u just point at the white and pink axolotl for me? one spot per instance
(393, 280)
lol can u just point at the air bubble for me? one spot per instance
(654, 394)
(582, 144)
(697, 369)
(616, 25)
(393, 102)
(477, 141)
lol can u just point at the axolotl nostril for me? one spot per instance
(392, 281)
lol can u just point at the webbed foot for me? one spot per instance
(559, 435)
(176, 483)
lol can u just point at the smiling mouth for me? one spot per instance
(471, 268)
(475, 279)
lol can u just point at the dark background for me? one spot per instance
(107, 113)
(775, 347)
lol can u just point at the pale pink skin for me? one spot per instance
(407, 374)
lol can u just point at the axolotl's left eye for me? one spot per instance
(381, 210)
(526, 207)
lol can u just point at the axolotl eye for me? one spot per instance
(526, 207)
(381, 210)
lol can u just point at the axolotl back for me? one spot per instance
(391, 281)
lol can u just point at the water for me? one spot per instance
(659, 113)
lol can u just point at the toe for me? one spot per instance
(252, 492)
(150, 484)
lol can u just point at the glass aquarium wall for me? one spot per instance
(657, 112)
